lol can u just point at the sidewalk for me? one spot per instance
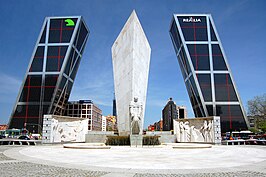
(152, 161)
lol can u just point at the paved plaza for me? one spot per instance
(125, 161)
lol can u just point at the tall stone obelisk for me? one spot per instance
(131, 59)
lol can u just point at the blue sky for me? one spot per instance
(241, 26)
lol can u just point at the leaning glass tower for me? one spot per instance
(205, 70)
(51, 72)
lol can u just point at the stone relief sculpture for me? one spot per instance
(66, 131)
(177, 131)
(135, 112)
(204, 129)
(182, 132)
(187, 133)
(55, 128)
(210, 131)
(196, 135)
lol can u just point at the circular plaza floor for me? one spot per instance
(148, 160)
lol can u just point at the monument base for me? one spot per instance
(97, 136)
(136, 140)
(124, 133)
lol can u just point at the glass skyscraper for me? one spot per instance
(51, 72)
(205, 70)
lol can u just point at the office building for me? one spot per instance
(169, 113)
(111, 123)
(103, 123)
(181, 112)
(51, 72)
(206, 72)
(114, 107)
(158, 125)
(151, 127)
(251, 120)
(86, 109)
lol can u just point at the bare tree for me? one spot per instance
(257, 110)
(257, 106)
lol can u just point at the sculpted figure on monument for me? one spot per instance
(135, 112)
(207, 131)
(204, 129)
(182, 132)
(178, 131)
(196, 135)
(187, 131)
(210, 131)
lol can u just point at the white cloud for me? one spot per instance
(99, 89)
(8, 84)
(9, 87)
(234, 8)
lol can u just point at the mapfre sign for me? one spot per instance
(191, 19)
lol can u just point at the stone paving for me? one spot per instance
(30, 169)
(11, 167)
(219, 174)
(19, 167)
(3, 157)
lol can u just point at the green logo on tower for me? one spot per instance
(69, 22)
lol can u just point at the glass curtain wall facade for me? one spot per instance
(51, 72)
(205, 70)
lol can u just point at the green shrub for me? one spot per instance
(118, 140)
(254, 130)
(151, 140)
(262, 125)
(125, 140)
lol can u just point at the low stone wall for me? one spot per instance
(167, 138)
(159, 133)
(164, 136)
(97, 136)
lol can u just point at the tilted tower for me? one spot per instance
(206, 72)
(51, 72)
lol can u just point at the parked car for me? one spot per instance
(35, 136)
(24, 137)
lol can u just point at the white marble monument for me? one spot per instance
(131, 59)
(207, 130)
